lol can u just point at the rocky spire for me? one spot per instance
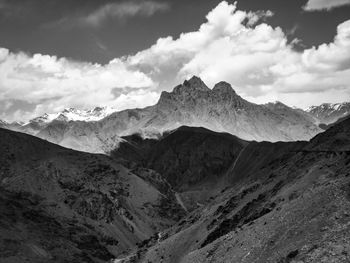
(195, 83)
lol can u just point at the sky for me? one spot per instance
(56, 54)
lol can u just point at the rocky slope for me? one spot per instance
(328, 113)
(284, 202)
(192, 103)
(60, 205)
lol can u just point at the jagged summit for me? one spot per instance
(196, 83)
(223, 87)
(195, 88)
(191, 86)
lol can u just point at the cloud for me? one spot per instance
(120, 11)
(123, 11)
(317, 5)
(53, 83)
(256, 58)
(232, 45)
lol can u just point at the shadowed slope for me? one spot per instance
(290, 207)
(91, 205)
(193, 160)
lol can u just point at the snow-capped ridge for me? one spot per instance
(73, 114)
(329, 112)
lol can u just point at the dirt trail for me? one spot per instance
(235, 162)
(178, 198)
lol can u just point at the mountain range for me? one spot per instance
(328, 113)
(193, 104)
(189, 195)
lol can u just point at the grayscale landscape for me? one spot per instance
(174, 131)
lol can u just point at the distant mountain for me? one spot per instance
(192, 103)
(72, 114)
(11, 126)
(3, 124)
(67, 115)
(222, 109)
(328, 113)
(60, 205)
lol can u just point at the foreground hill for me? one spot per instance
(211, 197)
(192, 103)
(193, 160)
(60, 205)
(287, 202)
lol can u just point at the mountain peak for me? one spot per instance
(3, 122)
(195, 83)
(277, 103)
(223, 87)
(66, 110)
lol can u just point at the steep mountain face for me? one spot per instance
(60, 205)
(192, 103)
(287, 202)
(219, 109)
(328, 113)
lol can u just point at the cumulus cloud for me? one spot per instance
(257, 60)
(232, 45)
(124, 10)
(53, 83)
(317, 5)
